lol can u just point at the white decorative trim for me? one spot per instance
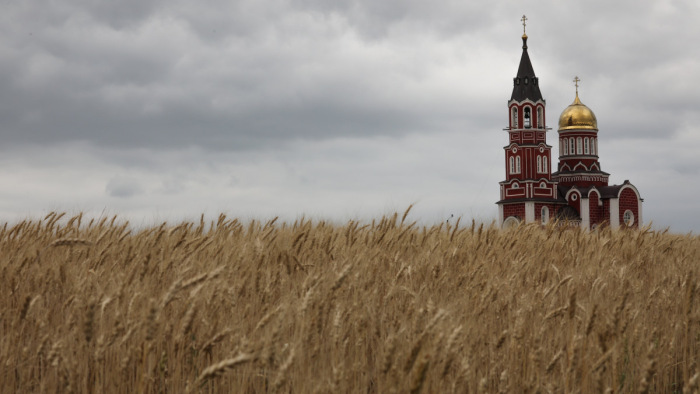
(521, 103)
(510, 222)
(615, 213)
(529, 211)
(527, 116)
(629, 186)
(585, 214)
(544, 214)
(500, 215)
(578, 131)
(639, 200)
(572, 190)
(577, 177)
(580, 164)
(628, 218)
(596, 191)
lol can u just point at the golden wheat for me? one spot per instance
(384, 306)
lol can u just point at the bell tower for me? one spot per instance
(528, 193)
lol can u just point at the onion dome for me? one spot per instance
(577, 116)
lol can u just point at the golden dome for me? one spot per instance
(577, 116)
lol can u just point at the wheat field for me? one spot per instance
(315, 307)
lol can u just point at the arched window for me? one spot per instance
(517, 165)
(511, 221)
(539, 164)
(565, 147)
(579, 146)
(544, 215)
(511, 163)
(540, 118)
(586, 145)
(514, 118)
(526, 117)
(571, 145)
(544, 165)
(594, 146)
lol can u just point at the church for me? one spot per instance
(577, 193)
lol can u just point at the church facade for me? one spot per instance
(577, 193)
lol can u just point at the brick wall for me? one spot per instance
(597, 213)
(577, 203)
(628, 200)
(538, 211)
(514, 210)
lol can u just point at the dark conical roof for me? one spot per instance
(526, 85)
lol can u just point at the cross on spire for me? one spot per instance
(576, 81)
(524, 19)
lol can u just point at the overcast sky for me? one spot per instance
(163, 110)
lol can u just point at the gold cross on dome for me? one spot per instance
(524, 19)
(576, 81)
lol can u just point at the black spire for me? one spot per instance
(525, 85)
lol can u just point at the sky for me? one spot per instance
(158, 110)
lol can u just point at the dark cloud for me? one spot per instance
(329, 99)
(232, 76)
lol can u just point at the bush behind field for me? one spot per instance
(380, 307)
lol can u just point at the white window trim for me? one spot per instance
(628, 221)
(544, 215)
(511, 221)
(511, 162)
(527, 117)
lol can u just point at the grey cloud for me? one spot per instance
(329, 92)
(123, 187)
(143, 75)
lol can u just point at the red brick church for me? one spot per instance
(578, 192)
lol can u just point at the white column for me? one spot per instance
(529, 211)
(615, 213)
(585, 214)
(500, 215)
